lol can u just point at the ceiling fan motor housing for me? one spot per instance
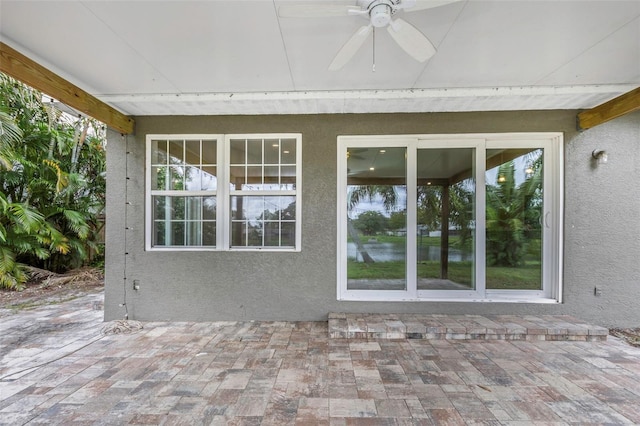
(380, 13)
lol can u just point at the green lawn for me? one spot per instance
(526, 277)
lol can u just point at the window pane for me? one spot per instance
(288, 234)
(259, 220)
(176, 206)
(445, 219)
(253, 208)
(159, 233)
(288, 178)
(209, 152)
(514, 181)
(159, 178)
(272, 151)
(180, 221)
(192, 152)
(209, 208)
(158, 152)
(193, 236)
(254, 151)
(271, 177)
(376, 189)
(272, 234)
(209, 233)
(191, 176)
(177, 233)
(176, 178)
(164, 208)
(288, 151)
(287, 208)
(237, 177)
(176, 152)
(238, 233)
(254, 179)
(192, 179)
(209, 178)
(237, 147)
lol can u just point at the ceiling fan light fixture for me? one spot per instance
(380, 15)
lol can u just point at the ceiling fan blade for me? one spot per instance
(415, 5)
(350, 47)
(316, 10)
(411, 40)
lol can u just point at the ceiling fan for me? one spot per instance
(379, 13)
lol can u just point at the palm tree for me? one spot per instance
(51, 184)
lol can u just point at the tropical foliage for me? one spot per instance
(52, 185)
(514, 215)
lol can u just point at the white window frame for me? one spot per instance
(222, 193)
(551, 142)
(239, 192)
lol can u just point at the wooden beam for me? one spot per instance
(614, 108)
(35, 75)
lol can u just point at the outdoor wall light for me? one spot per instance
(600, 156)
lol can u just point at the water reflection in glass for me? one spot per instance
(376, 198)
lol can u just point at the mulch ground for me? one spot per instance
(46, 287)
(629, 335)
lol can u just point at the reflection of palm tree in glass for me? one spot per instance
(513, 212)
(442, 206)
(358, 193)
(460, 207)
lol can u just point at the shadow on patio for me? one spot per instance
(57, 367)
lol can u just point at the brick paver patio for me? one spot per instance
(56, 367)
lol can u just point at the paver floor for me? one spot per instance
(57, 367)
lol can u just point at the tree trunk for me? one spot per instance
(356, 239)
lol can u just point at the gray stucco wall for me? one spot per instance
(602, 225)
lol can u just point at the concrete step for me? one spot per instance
(463, 327)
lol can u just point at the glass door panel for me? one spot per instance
(514, 219)
(376, 218)
(446, 197)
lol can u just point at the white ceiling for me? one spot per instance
(239, 57)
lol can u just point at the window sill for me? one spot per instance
(222, 250)
(450, 299)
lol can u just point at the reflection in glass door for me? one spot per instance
(514, 223)
(446, 193)
(376, 218)
(450, 217)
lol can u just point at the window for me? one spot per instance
(217, 192)
(263, 192)
(450, 217)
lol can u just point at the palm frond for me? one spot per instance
(25, 217)
(77, 222)
(62, 177)
(12, 274)
(10, 132)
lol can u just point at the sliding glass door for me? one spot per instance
(376, 220)
(514, 224)
(446, 217)
(449, 217)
